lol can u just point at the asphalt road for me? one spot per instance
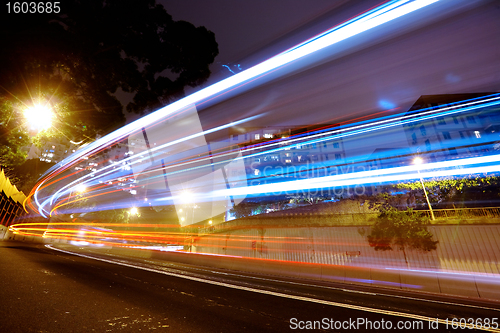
(44, 290)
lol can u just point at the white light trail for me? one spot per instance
(378, 16)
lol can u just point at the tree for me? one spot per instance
(80, 57)
(243, 209)
(470, 189)
(403, 230)
(12, 139)
(29, 172)
(77, 60)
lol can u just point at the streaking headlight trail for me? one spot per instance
(48, 199)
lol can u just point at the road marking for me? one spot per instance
(277, 294)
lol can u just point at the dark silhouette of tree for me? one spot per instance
(402, 230)
(79, 58)
(29, 172)
(243, 209)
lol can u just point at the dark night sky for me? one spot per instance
(449, 47)
(242, 26)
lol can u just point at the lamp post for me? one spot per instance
(418, 161)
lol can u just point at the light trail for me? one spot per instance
(376, 17)
(366, 177)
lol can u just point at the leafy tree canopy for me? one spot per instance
(76, 61)
(79, 58)
(401, 229)
(459, 190)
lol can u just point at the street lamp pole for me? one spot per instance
(418, 161)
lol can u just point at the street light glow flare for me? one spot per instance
(81, 188)
(39, 116)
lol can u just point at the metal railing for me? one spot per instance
(462, 213)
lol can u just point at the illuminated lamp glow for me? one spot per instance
(378, 16)
(39, 117)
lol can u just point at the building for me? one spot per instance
(456, 135)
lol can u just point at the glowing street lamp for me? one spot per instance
(39, 116)
(81, 188)
(418, 161)
(133, 211)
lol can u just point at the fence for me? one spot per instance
(464, 213)
(11, 201)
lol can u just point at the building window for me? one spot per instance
(338, 156)
(268, 136)
(446, 135)
(335, 145)
(455, 120)
(478, 134)
(422, 130)
(324, 144)
(257, 136)
(462, 136)
(428, 145)
(441, 121)
(314, 146)
(471, 120)
(414, 137)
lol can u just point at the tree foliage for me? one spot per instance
(12, 139)
(84, 54)
(458, 190)
(402, 230)
(76, 62)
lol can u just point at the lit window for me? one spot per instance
(257, 136)
(257, 172)
(268, 136)
(478, 135)
(288, 161)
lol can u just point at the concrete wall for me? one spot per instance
(461, 248)
(466, 262)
